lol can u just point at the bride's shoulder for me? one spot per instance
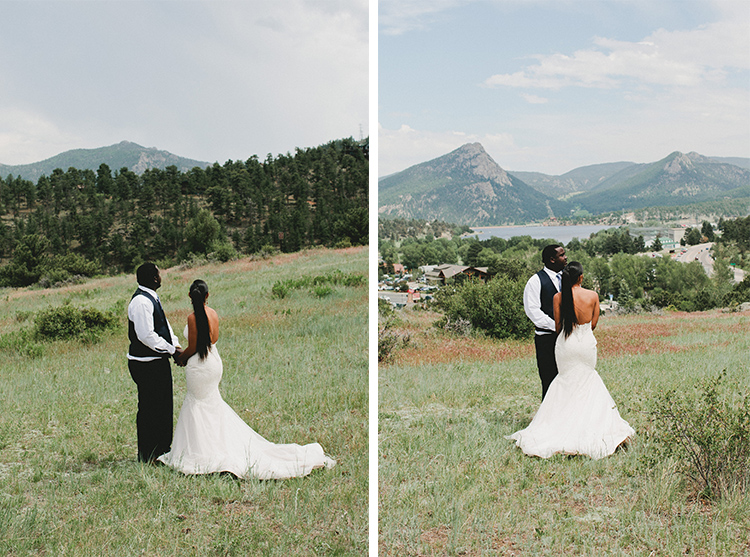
(590, 293)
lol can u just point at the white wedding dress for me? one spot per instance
(577, 415)
(210, 436)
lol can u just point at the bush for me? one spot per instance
(279, 290)
(389, 339)
(322, 290)
(707, 434)
(385, 308)
(495, 307)
(222, 252)
(69, 322)
(21, 342)
(319, 284)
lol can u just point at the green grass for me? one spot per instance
(294, 369)
(451, 484)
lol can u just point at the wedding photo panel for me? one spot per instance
(184, 269)
(563, 201)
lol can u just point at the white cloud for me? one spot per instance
(26, 136)
(533, 99)
(665, 58)
(397, 17)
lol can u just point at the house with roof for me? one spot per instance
(440, 274)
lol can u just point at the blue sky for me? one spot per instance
(208, 80)
(550, 86)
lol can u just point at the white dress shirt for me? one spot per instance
(532, 303)
(141, 313)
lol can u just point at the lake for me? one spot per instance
(562, 234)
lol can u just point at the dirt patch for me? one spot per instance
(616, 336)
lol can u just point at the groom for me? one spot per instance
(537, 303)
(152, 342)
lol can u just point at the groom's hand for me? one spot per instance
(176, 355)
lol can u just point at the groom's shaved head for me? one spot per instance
(549, 253)
(146, 274)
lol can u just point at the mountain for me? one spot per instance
(122, 155)
(578, 180)
(465, 186)
(678, 179)
(743, 162)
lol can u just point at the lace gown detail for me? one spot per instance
(211, 437)
(578, 415)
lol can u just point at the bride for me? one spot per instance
(210, 436)
(578, 415)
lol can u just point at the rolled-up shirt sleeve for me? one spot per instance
(140, 312)
(532, 305)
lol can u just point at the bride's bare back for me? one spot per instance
(586, 304)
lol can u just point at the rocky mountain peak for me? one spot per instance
(472, 158)
(679, 163)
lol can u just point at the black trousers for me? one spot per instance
(154, 419)
(545, 359)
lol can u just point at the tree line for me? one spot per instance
(85, 222)
(614, 266)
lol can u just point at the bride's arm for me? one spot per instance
(192, 341)
(595, 317)
(556, 301)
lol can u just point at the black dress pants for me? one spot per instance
(154, 419)
(545, 359)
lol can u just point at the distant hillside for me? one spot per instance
(578, 180)
(742, 162)
(678, 179)
(465, 186)
(125, 154)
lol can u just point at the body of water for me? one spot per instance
(562, 234)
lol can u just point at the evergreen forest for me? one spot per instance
(78, 223)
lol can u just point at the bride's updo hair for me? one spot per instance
(198, 292)
(570, 275)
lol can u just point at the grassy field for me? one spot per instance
(295, 369)
(451, 484)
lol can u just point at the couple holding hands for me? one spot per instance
(209, 437)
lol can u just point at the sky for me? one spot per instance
(549, 86)
(207, 80)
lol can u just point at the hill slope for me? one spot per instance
(465, 186)
(578, 180)
(678, 179)
(122, 155)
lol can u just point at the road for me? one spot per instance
(393, 297)
(702, 253)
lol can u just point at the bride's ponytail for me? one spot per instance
(198, 292)
(570, 275)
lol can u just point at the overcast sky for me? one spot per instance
(550, 86)
(208, 80)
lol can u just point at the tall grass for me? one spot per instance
(294, 369)
(451, 484)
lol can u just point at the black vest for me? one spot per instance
(546, 294)
(137, 348)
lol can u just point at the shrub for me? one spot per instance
(495, 307)
(69, 322)
(385, 308)
(21, 342)
(322, 290)
(319, 285)
(279, 290)
(222, 252)
(390, 339)
(707, 433)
